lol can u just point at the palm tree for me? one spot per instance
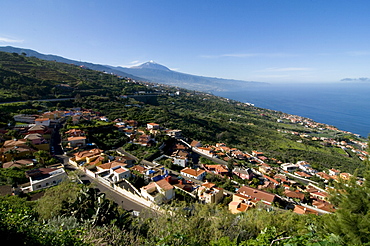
(41, 156)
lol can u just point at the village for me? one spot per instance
(185, 167)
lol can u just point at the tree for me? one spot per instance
(351, 221)
(42, 156)
(93, 207)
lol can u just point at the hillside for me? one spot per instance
(199, 115)
(154, 72)
(97, 67)
(78, 214)
(148, 71)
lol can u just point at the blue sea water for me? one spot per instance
(343, 105)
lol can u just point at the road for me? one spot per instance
(123, 201)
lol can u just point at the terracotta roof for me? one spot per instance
(110, 165)
(303, 210)
(263, 195)
(38, 128)
(120, 170)
(149, 186)
(192, 172)
(42, 119)
(217, 168)
(76, 138)
(139, 168)
(194, 143)
(271, 179)
(164, 184)
(16, 142)
(293, 194)
(18, 163)
(88, 153)
(209, 185)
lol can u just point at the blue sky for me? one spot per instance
(259, 40)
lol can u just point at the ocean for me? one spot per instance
(343, 105)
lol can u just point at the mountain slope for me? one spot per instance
(160, 74)
(150, 71)
(92, 66)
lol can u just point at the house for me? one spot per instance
(206, 150)
(42, 122)
(138, 168)
(294, 194)
(241, 203)
(323, 205)
(41, 129)
(177, 134)
(289, 167)
(345, 176)
(304, 210)
(144, 140)
(15, 148)
(75, 133)
(334, 172)
(238, 155)
(156, 173)
(76, 141)
(19, 163)
(192, 173)
(180, 161)
(319, 195)
(152, 126)
(125, 159)
(112, 164)
(274, 182)
(263, 196)
(244, 173)
(324, 176)
(158, 192)
(257, 153)
(264, 168)
(195, 144)
(86, 156)
(209, 193)
(45, 177)
(216, 169)
(35, 139)
(25, 118)
(303, 174)
(119, 173)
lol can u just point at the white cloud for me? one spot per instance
(9, 40)
(132, 64)
(286, 69)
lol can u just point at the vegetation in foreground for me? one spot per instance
(72, 214)
(76, 215)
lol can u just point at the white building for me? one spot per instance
(192, 173)
(118, 173)
(289, 167)
(158, 192)
(45, 177)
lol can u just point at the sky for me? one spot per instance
(254, 40)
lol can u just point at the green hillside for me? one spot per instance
(73, 214)
(200, 116)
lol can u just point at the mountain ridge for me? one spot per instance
(149, 71)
